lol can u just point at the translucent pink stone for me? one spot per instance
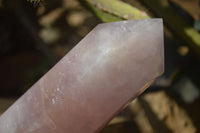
(113, 64)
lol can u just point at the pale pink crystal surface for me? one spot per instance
(93, 82)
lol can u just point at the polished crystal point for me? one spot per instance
(112, 65)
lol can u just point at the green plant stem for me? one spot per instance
(173, 20)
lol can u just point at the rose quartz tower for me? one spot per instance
(112, 65)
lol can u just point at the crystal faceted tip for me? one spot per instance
(108, 68)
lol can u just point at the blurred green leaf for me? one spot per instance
(113, 10)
